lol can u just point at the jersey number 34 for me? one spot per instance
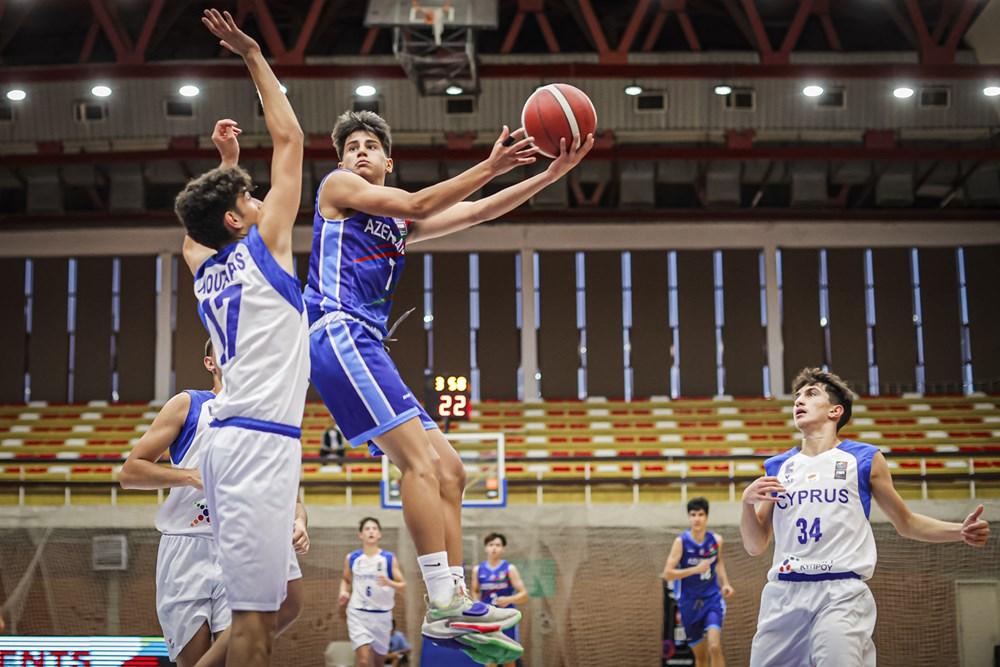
(806, 531)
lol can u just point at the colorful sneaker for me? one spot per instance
(465, 616)
(485, 648)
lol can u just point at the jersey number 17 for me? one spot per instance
(228, 302)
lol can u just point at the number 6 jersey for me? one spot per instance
(821, 528)
(254, 312)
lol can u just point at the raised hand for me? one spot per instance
(230, 36)
(224, 136)
(760, 490)
(975, 531)
(507, 155)
(570, 157)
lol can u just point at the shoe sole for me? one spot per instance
(466, 627)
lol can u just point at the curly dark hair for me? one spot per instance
(836, 388)
(369, 121)
(203, 203)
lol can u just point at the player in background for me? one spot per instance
(360, 233)
(815, 501)
(696, 568)
(497, 582)
(240, 252)
(190, 597)
(368, 587)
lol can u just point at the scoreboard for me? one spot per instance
(448, 397)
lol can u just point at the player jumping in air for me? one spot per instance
(360, 233)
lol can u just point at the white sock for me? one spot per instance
(458, 574)
(437, 578)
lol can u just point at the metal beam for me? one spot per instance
(298, 52)
(14, 22)
(272, 37)
(795, 30)
(654, 30)
(119, 39)
(759, 34)
(708, 71)
(689, 34)
(632, 29)
(948, 8)
(148, 27)
(547, 33)
(88, 41)
(960, 26)
(604, 53)
(369, 43)
(513, 31)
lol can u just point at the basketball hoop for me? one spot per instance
(433, 17)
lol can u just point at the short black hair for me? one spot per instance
(837, 389)
(350, 122)
(495, 536)
(698, 503)
(202, 205)
(361, 524)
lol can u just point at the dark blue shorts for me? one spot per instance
(701, 614)
(359, 383)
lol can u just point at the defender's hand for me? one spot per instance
(225, 137)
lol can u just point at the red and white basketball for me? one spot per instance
(555, 111)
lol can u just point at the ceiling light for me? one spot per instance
(902, 92)
(633, 90)
(16, 95)
(365, 90)
(454, 90)
(101, 90)
(812, 90)
(723, 89)
(988, 91)
(189, 90)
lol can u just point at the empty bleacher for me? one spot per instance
(556, 451)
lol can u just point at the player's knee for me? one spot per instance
(451, 476)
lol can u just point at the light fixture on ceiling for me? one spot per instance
(16, 94)
(101, 90)
(723, 89)
(633, 90)
(365, 90)
(453, 90)
(189, 90)
(812, 90)
(902, 92)
(991, 91)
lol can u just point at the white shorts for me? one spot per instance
(251, 479)
(369, 627)
(189, 590)
(815, 624)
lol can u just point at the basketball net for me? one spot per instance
(433, 17)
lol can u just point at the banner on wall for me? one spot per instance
(86, 651)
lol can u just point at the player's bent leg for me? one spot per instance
(842, 631)
(291, 607)
(196, 647)
(700, 651)
(408, 448)
(364, 656)
(451, 482)
(713, 640)
(252, 638)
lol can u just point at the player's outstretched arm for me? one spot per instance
(344, 190)
(973, 531)
(281, 205)
(141, 470)
(468, 213)
(755, 519)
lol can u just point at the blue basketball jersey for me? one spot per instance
(355, 265)
(494, 583)
(697, 586)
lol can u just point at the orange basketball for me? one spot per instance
(555, 111)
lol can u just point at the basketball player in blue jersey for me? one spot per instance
(368, 587)
(696, 568)
(497, 582)
(360, 233)
(240, 252)
(815, 500)
(190, 596)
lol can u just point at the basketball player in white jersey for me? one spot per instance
(815, 500)
(240, 252)
(368, 587)
(190, 596)
(361, 230)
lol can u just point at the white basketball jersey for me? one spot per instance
(366, 592)
(254, 313)
(185, 511)
(821, 528)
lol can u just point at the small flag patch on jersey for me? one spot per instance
(840, 470)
